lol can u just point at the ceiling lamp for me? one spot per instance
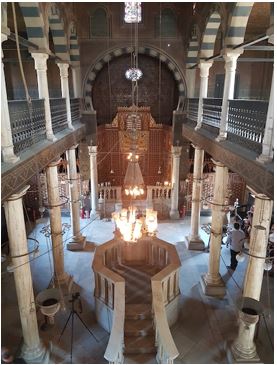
(133, 74)
(133, 226)
(133, 181)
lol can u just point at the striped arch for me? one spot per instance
(117, 52)
(238, 23)
(192, 51)
(209, 36)
(34, 24)
(57, 29)
(74, 50)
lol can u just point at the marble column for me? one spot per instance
(149, 201)
(93, 178)
(65, 91)
(203, 91)
(43, 91)
(54, 201)
(78, 241)
(258, 245)
(76, 78)
(190, 80)
(212, 283)
(32, 350)
(268, 140)
(176, 154)
(7, 147)
(230, 56)
(194, 240)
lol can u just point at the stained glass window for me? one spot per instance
(132, 12)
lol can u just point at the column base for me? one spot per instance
(198, 126)
(38, 355)
(215, 290)
(63, 280)
(221, 137)
(77, 244)
(70, 126)
(10, 158)
(51, 137)
(174, 214)
(95, 214)
(233, 357)
(264, 159)
(194, 243)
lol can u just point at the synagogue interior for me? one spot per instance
(137, 182)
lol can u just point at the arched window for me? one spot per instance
(99, 23)
(167, 24)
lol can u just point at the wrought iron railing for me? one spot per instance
(27, 123)
(192, 109)
(75, 110)
(246, 123)
(212, 112)
(58, 114)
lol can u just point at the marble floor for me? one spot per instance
(204, 325)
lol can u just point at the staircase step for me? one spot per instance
(138, 327)
(138, 311)
(140, 359)
(140, 345)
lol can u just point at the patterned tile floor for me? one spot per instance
(204, 324)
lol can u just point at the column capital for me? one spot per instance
(40, 61)
(204, 67)
(74, 147)
(270, 33)
(18, 195)
(218, 163)
(196, 147)
(231, 56)
(176, 151)
(63, 66)
(54, 163)
(92, 150)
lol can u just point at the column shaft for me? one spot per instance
(190, 79)
(176, 153)
(6, 131)
(32, 348)
(230, 58)
(258, 244)
(56, 223)
(65, 91)
(203, 91)
(43, 91)
(93, 178)
(212, 282)
(195, 241)
(76, 77)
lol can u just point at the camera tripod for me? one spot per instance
(75, 296)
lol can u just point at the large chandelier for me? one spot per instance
(133, 74)
(133, 181)
(132, 226)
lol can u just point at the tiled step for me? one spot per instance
(138, 327)
(138, 311)
(140, 345)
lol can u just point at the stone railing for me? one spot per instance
(75, 110)
(159, 197)
(58, 114)
(27, 123)
(192, 109)
(246, 122)
(110, 298)
(109, 193)
(165, 293)
(212, 112)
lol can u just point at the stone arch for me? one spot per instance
(74, 50)
(56, 26)
(34, 24)
(238, 23)
(209, 35)
(117, 52)
(193, 48)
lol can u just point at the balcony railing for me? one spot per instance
(192, 109)
(27, 123)
(212, 112)
(58, 114)
(246, 123)
(75, 110)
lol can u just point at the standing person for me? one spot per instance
(235, 239)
